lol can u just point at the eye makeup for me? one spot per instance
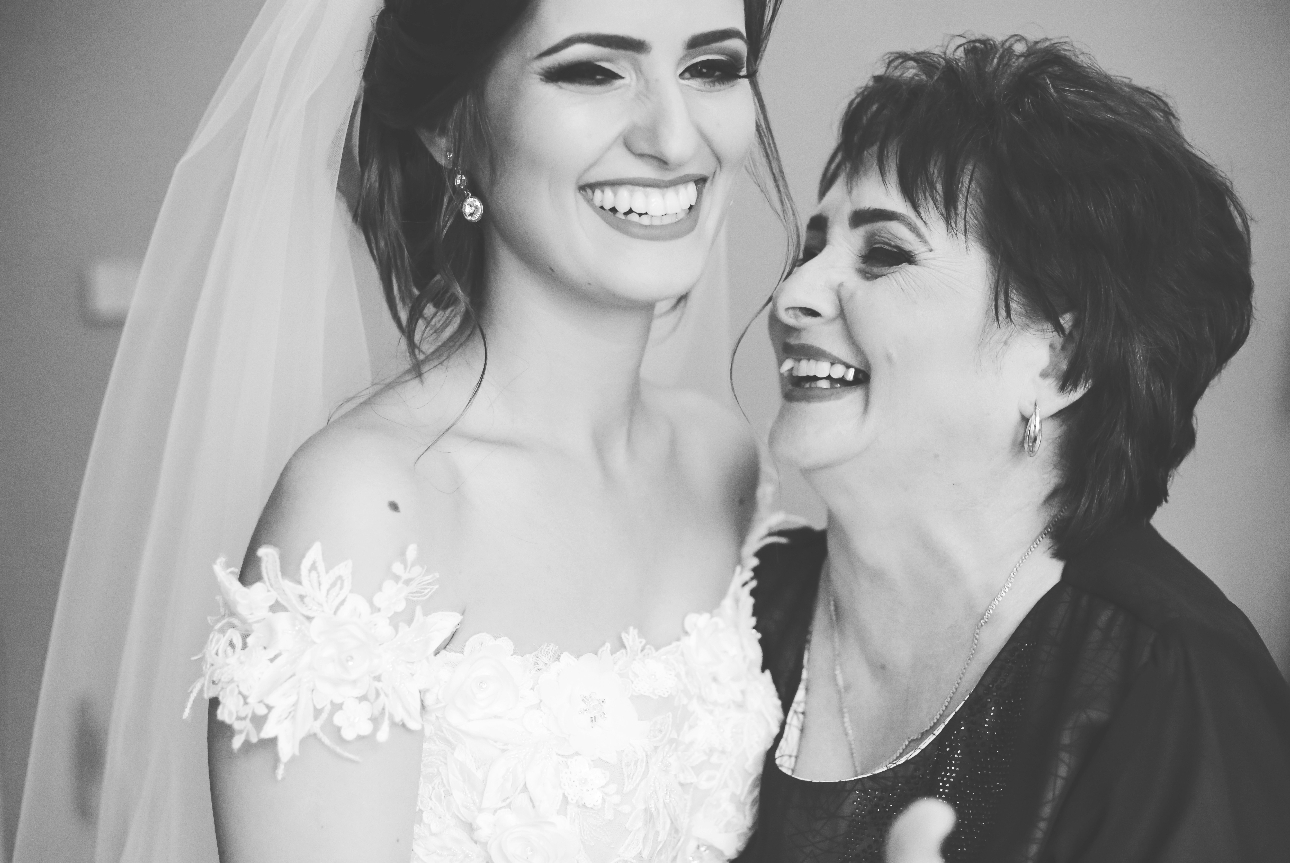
(716, 71)
(882, 252)
(586, 73)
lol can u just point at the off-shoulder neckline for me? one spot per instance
(761, 532)
(630, 638)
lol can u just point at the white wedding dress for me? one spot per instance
(634, 753)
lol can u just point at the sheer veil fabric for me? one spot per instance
(257, 317)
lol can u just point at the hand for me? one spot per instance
(917, 835)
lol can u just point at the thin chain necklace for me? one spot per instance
(958, 682)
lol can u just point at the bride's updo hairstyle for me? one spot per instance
(425, 71)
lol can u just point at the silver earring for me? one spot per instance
(1034, 437)
(472, 208)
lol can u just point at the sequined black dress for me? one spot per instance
(1134, 715)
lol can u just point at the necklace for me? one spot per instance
(958, 682)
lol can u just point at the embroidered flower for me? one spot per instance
(583, 784)
(716, 651)
(392, 597)
(280, 673)
(273, 634)
(652, 678)
(487, 694)
(231, 705)
(589, 705)
(354, 718)
(346, 653)
(522, 834)
(253, 602)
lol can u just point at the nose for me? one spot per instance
(808, 297)
(663, 130)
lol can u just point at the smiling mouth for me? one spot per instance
(647, 205)
(803, 373)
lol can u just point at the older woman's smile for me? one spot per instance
(810, 373)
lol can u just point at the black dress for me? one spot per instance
(1134, 715)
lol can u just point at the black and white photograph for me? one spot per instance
(645, 431)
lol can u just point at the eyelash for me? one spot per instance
(895, 256)
(720, 72)
(584, 72)
(870, 257)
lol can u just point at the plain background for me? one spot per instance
(99, 97)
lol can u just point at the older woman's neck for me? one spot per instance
(909, 558)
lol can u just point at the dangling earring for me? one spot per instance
(472, 208)
(1034, 437)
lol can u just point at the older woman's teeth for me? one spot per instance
(645, 205)
(821, 373)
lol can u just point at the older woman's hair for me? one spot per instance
(1101, 220)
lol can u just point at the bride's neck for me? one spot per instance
(560, 365)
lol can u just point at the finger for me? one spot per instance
(917, 835)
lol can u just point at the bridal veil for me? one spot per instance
(257, 316)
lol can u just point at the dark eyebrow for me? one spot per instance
(872, 215)
(600, 40)
(712, 37)
(819, 223)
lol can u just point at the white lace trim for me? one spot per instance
(285, 656)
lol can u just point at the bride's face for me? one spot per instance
(617, 130)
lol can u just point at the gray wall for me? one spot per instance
(97, 101)
(99, 97)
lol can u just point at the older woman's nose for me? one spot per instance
(663, 131)
(807, 297)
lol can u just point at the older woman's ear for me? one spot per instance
(1047, 395)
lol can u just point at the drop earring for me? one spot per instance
(472, 208)
(1034, 437)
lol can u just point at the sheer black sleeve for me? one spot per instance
(1194, 765)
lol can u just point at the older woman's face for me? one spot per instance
(888, 348)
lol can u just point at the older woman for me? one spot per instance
(1018, 283)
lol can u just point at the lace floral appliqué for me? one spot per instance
(285, 657)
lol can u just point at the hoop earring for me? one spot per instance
(472, 208)
(1034, 437)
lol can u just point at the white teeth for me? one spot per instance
(650, 205)
(822, 372)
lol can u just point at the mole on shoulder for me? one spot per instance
(394, 506)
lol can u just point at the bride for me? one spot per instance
(559, 500)
(499, 609)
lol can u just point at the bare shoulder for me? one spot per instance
(352, 488)
(716, 447)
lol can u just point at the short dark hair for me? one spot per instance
(427, 62)
(1091, 203)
